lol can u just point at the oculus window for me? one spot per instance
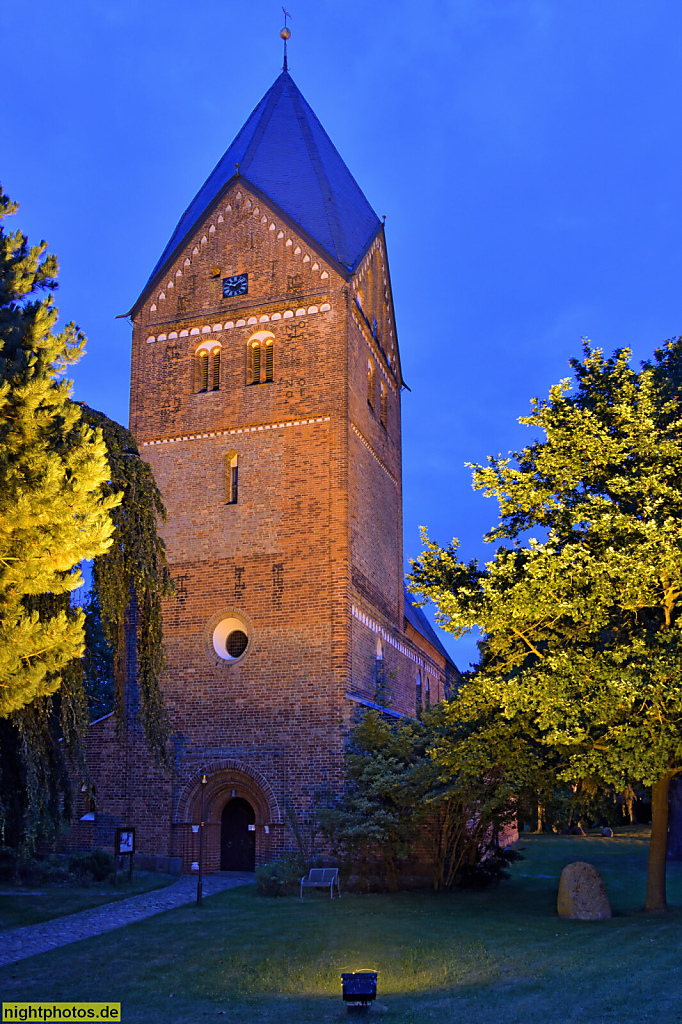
(231, 639)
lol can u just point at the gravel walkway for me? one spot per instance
(19, 943)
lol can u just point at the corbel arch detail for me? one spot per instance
(224, 777)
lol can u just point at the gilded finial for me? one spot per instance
(285, 33)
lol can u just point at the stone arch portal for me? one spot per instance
(237, 799)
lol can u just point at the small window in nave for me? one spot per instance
(370, 383)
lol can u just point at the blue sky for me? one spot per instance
(526, 154)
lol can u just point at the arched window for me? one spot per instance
(370, 383)
(202, 370)
(215, 368)
(259, 363)
(419, 692)
(428, 693)
(232, 478)
(207, 367)
(90, 798)
(253, 363)
(269, 354)
(380, 649)
(384, 404)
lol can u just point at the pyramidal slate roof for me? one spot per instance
(285, 152)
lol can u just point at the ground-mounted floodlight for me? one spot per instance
(359, 989)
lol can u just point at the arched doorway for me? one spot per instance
(237, 842)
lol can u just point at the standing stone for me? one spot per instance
(582, 894)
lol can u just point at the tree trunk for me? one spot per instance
(541, 815)
(658, 845)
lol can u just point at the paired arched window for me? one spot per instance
(370, 383)
(383, 407)
(260, 354)
(207, 368)
(232, 478)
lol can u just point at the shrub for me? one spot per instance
(488, 871)
(96, 865)
(281, 877)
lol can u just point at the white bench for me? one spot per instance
(320, 878)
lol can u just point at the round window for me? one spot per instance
(236, 643)
(230, 639)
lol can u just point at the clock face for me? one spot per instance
(238, 284)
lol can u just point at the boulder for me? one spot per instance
(608, 832)
(582, 894)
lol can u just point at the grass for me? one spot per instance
(491, 956)
(45, 902)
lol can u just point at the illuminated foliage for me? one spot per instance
(72, 488)
(582, 649)
(53, 512)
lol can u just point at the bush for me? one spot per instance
(488, 871)
(8, 864)
(281, 877)
(42, 868)
(96, 866)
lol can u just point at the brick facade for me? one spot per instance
(307, 561)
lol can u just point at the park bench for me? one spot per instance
(320, 878)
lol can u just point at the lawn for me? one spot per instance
(492, 956)
(31, 906)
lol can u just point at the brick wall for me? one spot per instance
(309, 558)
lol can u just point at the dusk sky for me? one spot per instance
(526, 154)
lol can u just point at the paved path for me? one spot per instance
(19, 943)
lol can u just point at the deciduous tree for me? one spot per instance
(582, 646)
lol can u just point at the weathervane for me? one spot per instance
(285, 34)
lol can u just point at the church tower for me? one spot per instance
(266, 389)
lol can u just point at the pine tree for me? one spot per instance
(53, 511)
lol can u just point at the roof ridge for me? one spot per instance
(271, 99)
(321, 171)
